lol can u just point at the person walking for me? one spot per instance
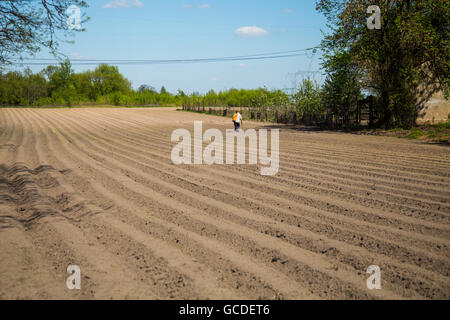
(237, 120)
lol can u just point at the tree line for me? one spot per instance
(60, 85)
(306, 101)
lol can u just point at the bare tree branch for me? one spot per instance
(26, 26)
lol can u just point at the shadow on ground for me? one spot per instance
(29, 195)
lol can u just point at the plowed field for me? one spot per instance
(97, 188)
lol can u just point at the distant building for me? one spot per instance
(437, 109)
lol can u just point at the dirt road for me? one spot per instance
(97, 188)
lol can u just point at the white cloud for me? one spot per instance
(252, 31)
(241, 65)
(76, 55)
(200, 6)
(288, 10)
(115, 4)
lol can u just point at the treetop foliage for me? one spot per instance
(403, 63)
(61, 86)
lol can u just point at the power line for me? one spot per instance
(143, 60)
(260, 56)
(153, 62)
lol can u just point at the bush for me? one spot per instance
(415, 133)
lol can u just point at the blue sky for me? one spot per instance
(172, 29)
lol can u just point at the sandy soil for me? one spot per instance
(97, 188)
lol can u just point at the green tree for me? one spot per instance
(83, 85)
(61, 86)
(404, 62)
(146, 88)
(341, 91)
(61, 76)
(308, 100)
(48, 71)
(12, 89)
(106, 79)
(35, 86)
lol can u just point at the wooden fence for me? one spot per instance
(363, 114)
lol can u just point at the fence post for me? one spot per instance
(370, 112)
